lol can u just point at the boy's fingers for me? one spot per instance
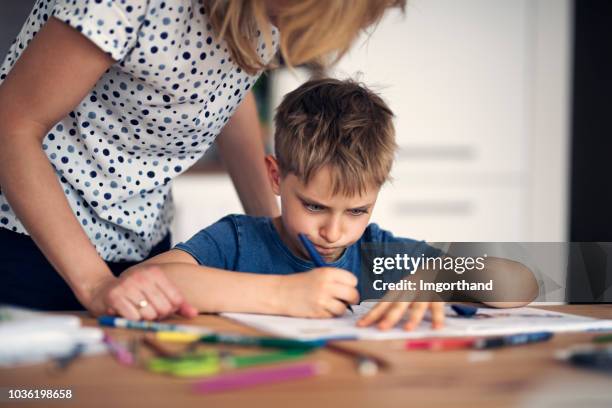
(335, 307)
(393, 315)
(343, 277)
(417, 312)
(346, 293)
(374, 314)
(437, 315)
(394, 296)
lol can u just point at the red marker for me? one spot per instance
(439, 344)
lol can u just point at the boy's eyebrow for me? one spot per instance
(311, 201)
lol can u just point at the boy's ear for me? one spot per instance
(273, 173)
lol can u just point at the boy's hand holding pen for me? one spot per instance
(321, 293)
(317, 260)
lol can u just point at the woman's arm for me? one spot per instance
(242, 150)
(54, 74)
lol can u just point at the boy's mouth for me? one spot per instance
(327, 251)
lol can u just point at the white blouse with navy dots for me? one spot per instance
(150, 116)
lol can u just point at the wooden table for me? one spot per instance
(520, 376)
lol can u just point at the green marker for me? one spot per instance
(266, 358)
(268, 342)
(607, 338)
(189, 366)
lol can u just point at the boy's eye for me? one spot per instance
(357, 211)
(313, 207)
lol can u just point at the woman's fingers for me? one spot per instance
(172, 294)
(157, 300)
(119, 302)
(186, 310)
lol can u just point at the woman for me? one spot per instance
(103, 103)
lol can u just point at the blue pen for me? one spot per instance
(512, 340)
(112, 321)
(464, 310)
(316, 259)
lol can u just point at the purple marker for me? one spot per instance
(252, 378)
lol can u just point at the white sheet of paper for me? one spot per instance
(487, 322)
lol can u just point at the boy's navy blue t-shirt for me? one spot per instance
(251, 244)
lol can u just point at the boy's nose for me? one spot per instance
(332, 230)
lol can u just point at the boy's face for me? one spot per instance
(331, 222)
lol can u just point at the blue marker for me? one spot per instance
(316, 259)
(464, 310)
(512, 340)
(112, 321)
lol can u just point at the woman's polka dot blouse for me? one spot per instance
(150, 116)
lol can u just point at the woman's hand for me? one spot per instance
(141, 292)
(387, 314)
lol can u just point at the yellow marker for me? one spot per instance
(177, 337)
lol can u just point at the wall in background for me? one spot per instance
(480, 90)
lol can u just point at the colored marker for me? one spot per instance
(119, 322)
(66, 360)
(465, 310)
(264, 358)
(187, 366)
(240, 340)
(440, 344)
(603, 339)
(119, 351)
(512, 340)
(254, 377)
(177, 337)
(317, 260)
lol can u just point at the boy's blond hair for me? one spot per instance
(341, 124)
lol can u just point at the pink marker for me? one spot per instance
(252, 378)
(121, 353)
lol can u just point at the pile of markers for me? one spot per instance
(222, 370)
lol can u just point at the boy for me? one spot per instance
(334, 146)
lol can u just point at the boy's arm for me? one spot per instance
(514, 285)
(319, 293)
(216, 290)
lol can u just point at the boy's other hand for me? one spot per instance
(387, 314)
(142, 292)
(319, 293)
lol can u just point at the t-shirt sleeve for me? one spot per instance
(374, 234)
(215, 246)
(110, 24)
(379, 243)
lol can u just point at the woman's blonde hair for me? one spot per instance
(316, 32)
